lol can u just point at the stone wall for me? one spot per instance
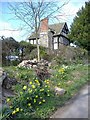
(44, 39)
(50, 40)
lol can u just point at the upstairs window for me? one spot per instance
(55, 46)
(55, 40)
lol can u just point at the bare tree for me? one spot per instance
(31, 13)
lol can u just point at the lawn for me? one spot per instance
(35, 101)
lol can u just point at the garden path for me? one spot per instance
(78, 107)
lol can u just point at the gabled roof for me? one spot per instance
(33, 36)
(56, 28)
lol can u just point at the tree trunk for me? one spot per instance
(36, 30)
(38, 51)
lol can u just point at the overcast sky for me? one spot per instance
(9, 27)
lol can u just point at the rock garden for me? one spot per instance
(36, 89)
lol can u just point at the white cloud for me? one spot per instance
(68, 12)
(7, 30)
(4, 25)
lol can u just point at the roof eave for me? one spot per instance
(33, 38)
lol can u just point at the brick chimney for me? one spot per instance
(44, 25)
(44, 32)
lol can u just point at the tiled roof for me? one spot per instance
(56, 27)
(53, 27)
(33, 35)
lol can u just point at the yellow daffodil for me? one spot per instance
(45, 81)
(30, 83)
(46, 86)
(36, 96)
(29, 104)
(41, 90)
(34, 100)
(40, 103)
(36, 81)
(13, 112)
(33, 86)
(48, 95)
(11, 107)
(30, 91)
(17, 109)
(38, 84)
(27, 98)
(25, 87)
(43, 100)
(61, 70)
(8, 99)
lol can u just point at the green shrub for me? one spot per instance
(70, 55)
(15, 62)
(28, 98)
(33, 54)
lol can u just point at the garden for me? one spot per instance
(38, 92)
(35, 97)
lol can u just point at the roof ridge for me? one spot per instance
(57, 23)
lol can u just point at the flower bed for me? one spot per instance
(35, 101)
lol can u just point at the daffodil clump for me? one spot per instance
(61, 70)
(30, 97)
(8, 99)
(24, 87)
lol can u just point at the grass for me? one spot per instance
(73, 78)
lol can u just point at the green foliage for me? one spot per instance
(70, 55)
(9, 47)
(26, 49)
(43, 54)
(28, 102)
(28, 99)
(79, 30)
(14, 62)
(33, 54)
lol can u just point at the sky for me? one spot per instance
(10, 27)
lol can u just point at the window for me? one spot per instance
(34, 41)
(55, 40)
(61, 39)
(55, 46)
(31, 41)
